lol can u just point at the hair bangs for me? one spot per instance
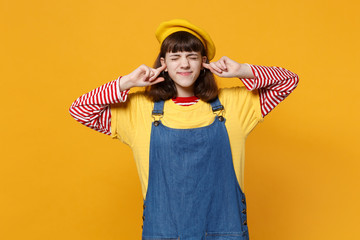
(182, 42)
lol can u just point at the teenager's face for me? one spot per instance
(184, 68)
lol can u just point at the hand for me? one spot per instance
(141, 77)
(224, 67)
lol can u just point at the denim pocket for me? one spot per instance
(224, 236)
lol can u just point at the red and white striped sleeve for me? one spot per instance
(93, 108)
(274, 85)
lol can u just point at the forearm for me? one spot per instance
(268, 77)
(93, 109)
(274, 84)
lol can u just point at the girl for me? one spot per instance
(187, 136)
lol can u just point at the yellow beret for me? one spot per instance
(176, 25)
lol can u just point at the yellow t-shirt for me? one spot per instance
(131, 123)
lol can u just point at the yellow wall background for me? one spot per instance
(61, 180)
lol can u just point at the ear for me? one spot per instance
(162, 61)
(204, 59)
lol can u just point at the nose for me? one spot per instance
(184, 62)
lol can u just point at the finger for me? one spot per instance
(146, 74)
(157, 71)
(213, 70)
(152, 73)
(219, 65)
(216, 68)
(206, 65)
(162, 68)
(155, 74)
(223, 64)
(157, 80)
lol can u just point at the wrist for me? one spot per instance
(245, 71)
(124, 83)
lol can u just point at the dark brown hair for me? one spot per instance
(205, 86)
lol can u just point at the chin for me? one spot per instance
(185, 81)
(185, 84)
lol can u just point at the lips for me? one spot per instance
(184, 73)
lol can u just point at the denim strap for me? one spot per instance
(158, 108)
(216, 105)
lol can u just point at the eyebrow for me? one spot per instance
(176, 54)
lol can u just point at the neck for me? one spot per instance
(185, 92)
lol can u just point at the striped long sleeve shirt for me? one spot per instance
(93, 109)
